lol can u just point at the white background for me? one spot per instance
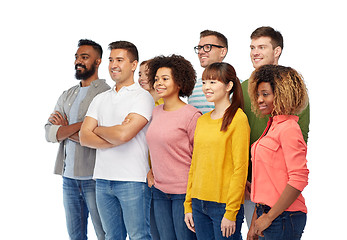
(38, 42)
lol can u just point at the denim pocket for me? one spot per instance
(298, 222)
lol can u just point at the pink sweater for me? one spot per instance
(170, 139)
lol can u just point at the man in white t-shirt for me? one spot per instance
(121, 167)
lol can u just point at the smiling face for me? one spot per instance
(265, 98)
(215, 55)
(164, 84)
(216, 91)
(143, 77)
(86, 62)
(121, 68)
(263, 53)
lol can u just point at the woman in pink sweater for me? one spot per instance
(170, 140)
(279, 171)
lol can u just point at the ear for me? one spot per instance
(223, 52)
(134, 65)
(278, 51)
(230, 86)
(98, 62)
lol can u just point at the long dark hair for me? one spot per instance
(225, 73)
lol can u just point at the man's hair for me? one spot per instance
(218, 35)
(133, 54)
(276, 36)
(95, 45)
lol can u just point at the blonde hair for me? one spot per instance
(290, 93)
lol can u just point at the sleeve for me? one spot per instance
(188, 201)
(294, 151)
(304, 122)
(93, 107)
(144, 105)
(51, 129)
(240, 152)
(191, 127)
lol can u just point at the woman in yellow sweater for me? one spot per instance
(218, 173)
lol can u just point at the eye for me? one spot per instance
(155, 79)
(203, 82)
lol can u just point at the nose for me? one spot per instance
(260, 99)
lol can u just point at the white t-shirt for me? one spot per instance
(129, 161)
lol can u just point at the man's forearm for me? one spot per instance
(67, 131)
(112, 134)
(91, 140)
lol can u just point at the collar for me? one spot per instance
(126, 88)
(282, 118)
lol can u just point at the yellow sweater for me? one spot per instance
(219, 167)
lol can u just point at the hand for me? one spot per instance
(262, 223)
(251, 233)
(150, 178)
(248, 191)
(57, 119)
(227, 227)
(188, 218)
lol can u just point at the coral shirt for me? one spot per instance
(279, 158)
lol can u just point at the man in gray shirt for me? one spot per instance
(74, 162)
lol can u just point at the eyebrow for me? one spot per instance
(82, 54)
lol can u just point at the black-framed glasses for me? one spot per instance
(206, 47)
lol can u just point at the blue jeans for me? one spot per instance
(124, 207)
(169, 216)
(208, 217)
(80, 200)
(287, 226)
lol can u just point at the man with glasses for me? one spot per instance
(213, 47)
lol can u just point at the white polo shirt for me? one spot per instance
(129, 161)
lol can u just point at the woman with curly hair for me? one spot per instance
(279, 172)
(218, 173)
(170, 141)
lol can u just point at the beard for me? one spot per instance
(87, 73)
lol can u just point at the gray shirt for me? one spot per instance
(84, 159)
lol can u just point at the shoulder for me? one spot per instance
(240, 116)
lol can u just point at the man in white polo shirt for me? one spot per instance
(121, 167)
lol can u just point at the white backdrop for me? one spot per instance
(38, 42)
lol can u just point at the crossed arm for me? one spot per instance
(66, 131)
(99, 137)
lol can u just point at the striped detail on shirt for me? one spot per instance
(198, 99)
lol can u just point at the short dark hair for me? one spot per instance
(276, 36)
(182, 72)
(130, 47)
(95, 45)
(218, 35)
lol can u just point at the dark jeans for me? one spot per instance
(208, 217)
(169, 216)
(287, 226)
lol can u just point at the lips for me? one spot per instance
(160, 90)
(80, 66)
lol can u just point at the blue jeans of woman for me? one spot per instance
(169, 216)
(287, 226)
(208, 217)
(124, 207)
(79, 200)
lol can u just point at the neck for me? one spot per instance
(173, 103)
(125, 83)
(220, 107)
(88, 81)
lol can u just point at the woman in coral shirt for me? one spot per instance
(279, 156)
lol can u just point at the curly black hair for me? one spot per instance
(182, 71)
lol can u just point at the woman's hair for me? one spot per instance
(225, 73)
(290, 93)
(182, 72)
